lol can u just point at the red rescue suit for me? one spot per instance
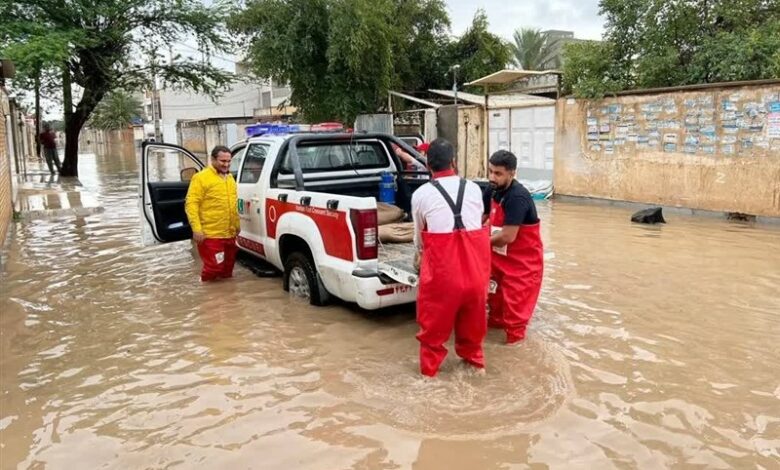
(517, 271)
(219, 257)
(454, 275)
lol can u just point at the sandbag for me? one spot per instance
(402, 232)
(388, 213)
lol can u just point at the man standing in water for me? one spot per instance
(212, 209)
(48, 141)
(517, 260)
(455, 266)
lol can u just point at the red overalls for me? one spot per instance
(454, 275)
(219, 257)
(518, 275)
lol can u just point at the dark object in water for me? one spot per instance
(653, 215)
(740, 217)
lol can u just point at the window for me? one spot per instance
(253, 163)
(337, 157)
(167, 165)
(235, 163)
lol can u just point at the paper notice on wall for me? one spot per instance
(773, 126)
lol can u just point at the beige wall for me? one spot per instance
(115, 143)
(714, 149)
(6, 192)
(472, 161)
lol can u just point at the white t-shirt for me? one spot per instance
(431, 211)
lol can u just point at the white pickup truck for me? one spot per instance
(308, 206)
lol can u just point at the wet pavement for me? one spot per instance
(652, 347)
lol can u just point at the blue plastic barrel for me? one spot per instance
(387, 188)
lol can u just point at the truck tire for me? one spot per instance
(301, 279)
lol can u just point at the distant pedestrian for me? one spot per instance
(212, 209)
(49, 143)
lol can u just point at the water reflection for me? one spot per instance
(653, 347)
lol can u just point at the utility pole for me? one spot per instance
(38, 115)
(156, 114)
(454, 69)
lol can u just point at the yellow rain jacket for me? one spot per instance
(212, 204)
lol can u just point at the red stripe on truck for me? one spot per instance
(332, 225)
(251, 245)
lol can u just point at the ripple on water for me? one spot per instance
(523, 385)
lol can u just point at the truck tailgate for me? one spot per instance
(396, 260)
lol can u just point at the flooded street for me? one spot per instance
(652, 347)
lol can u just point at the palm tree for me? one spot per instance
(116, 111)
(535, 50)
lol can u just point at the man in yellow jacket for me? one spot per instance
(212, 209)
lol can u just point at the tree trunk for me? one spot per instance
(70, 165)
(38, 116)
(75, 119)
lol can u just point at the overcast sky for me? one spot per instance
(505, 16)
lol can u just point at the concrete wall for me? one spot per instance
(113, 143)
(374, 123)
(193, 138)
(244, 98)
(6, 190)
(710, 148)
(471, 143)
(463, 127)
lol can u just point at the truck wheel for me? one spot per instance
(302, 281)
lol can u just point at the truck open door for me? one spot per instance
(166, 171)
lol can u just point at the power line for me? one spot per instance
(210, 55)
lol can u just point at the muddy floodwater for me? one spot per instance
(652, 347)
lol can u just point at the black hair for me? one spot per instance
(219, 149)
(441, 153)
(504, 158)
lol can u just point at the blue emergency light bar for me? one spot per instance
(262, 129)
(265, 129)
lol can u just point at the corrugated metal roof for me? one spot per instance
(502, 77)
(512, 100)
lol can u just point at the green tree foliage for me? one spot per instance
(479, 52)
(341, 57)
(534, 50)
(657, 43)
(116, 111)
(589, 69)
(106, 45)
(421, 44)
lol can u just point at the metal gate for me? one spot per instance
(529, 133)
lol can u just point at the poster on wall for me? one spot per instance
(773, 123)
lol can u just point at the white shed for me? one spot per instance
(522, 124)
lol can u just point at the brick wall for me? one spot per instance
(6, 201)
